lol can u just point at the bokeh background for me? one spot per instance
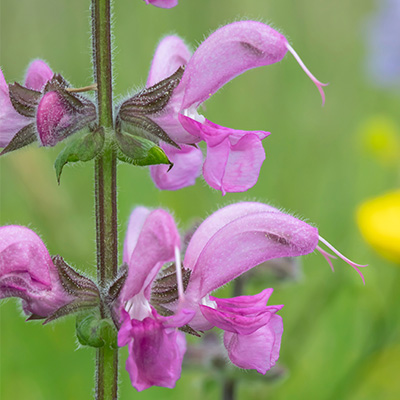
(341, 339)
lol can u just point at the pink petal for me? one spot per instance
(232, 322)
(10, 120)
(242, 314)
(163, 3)
(136, 222)
(227, 53)
(259, 350)
(210, 226)
(171, 53)
(244, 243)
(186, 168)
(27, 271)
(244, 302)
(234, 157)
(155, 354)
(155, 246)
(37, 75)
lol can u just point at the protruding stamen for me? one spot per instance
(178, 267)
(337, 252)
(327, 257)
(307, 71)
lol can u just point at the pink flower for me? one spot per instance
(162, 3)
(234, 157)
(11, 122)
(41, 110)
(27, 271)
(156, 301)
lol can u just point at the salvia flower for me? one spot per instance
(162, 3)
(159, 300)
(27, 271)
(48, 287)
(41, 110)
(234, 157)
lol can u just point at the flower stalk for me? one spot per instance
(105, 189)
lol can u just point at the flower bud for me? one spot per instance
(60, 114)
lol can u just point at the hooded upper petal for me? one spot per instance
(10, 120)
(37, 75)
(242, 243)
(27, 271)
(187, 162)
(227, 53)
(155, 246)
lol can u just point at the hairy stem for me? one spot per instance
(105, 189)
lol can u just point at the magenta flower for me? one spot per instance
(41, 110)
(234, 157)
(158, 299)
(162, 3)
(27, 271)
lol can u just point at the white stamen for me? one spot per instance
(307, 71)
(192, 113)
(178, 267)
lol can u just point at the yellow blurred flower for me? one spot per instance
(379, 222)
(381, 138)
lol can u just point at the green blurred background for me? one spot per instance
(341, 339)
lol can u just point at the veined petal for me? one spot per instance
(155, 246)
(234, 157)
(244, 302)
(162, 3)
(243, 314)
(186, 168)
(228, 52)
(155, 354)
(244, 243)
(259, 350)
(10, 120)
(171, 53)
(37, 75)
(232, 322)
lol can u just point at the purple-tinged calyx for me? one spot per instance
(43, 109)
(60, 113)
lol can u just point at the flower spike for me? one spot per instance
(307, 71)
(338, 253)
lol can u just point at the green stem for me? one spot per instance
(105, 190)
